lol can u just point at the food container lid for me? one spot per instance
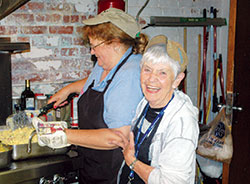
(41, 97)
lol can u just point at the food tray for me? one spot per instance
(5, 159)
(21, 152)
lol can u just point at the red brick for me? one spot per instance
(40, 18)
(35, 6)
(66, 18)
(74, 18)
(69, 51)
(73, 51)
(24, 7)
(2, 30)
(79, 30)
(78, 41)
(8, 30)
(25, 17)
(83, 17)
(91, 16)
(34, 30)
(53, 18)
(61, 29)
(23, 39)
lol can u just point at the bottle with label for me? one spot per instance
(27, 97)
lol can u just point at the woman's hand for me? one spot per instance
(128, 147)
(62, 94)
(59, 97)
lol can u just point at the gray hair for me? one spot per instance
(158, 54)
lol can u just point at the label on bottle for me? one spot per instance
(30, 103)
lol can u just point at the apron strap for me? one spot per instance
(120, 65)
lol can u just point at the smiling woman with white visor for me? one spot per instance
(162, 144)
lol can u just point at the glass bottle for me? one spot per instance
(27, 98)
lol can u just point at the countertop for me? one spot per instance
(32, 169)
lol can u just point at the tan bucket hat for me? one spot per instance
(119, 18)
(174, 50)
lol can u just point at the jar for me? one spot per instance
(41, 101)
(16, 102)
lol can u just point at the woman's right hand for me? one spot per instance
(59, 98)
(63, 94)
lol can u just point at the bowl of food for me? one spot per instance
(24, 143)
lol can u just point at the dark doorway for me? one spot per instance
(240, 166)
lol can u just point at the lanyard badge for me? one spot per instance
(151, 127)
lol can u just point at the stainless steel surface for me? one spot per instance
(31, 170)
(21, 151)
(5, 159)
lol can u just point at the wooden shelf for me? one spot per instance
(186, 21)
(15, 47)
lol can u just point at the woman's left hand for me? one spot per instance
(128, 147)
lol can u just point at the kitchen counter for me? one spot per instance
(31, 170)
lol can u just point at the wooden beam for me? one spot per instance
(231, 46)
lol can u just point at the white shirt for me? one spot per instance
(172, 151)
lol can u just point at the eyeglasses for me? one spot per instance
(95, 46)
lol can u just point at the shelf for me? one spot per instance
(15, 47)
(186, 21)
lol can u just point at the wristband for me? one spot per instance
(132, 165)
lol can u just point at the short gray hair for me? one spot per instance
(158, 54)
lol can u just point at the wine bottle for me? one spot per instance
(27, 98)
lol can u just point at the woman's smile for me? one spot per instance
(156, 83)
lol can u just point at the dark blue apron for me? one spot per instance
(98, 166)
(144, 148)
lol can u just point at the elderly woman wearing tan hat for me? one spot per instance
(161, 147)
(108, 98)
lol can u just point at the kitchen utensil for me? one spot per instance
(49, 106)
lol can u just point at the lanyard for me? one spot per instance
(158, 117)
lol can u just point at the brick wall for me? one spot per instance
(53, 28)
